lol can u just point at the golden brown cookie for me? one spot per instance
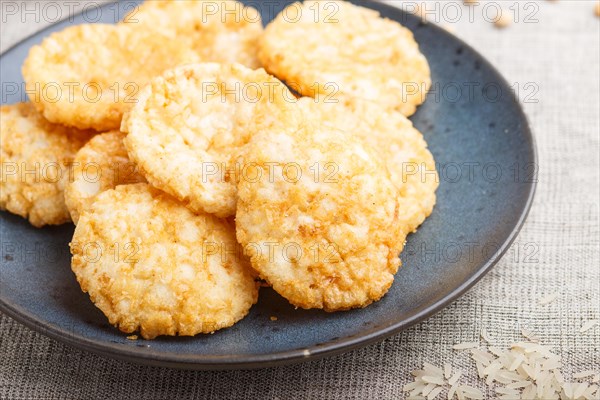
(402, 148)
(35, 159)
(219, 31)
(334, 49)
(100, 165)
(191, 123)
(318, 216)
(151, 265)
(87, 76)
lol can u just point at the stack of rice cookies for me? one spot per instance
(182, 146)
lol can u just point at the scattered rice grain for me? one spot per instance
(434, 393)
(588, 325)
(583, 374)
(465, 346)
(454, 380)
(580, 389)
(549, 298)
(471, 392)
(485, 335)
(447, 371)
(452, 391)
(434, 379)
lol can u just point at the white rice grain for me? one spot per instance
(518, 385)
(434, 379)
(413, 385)
(454, 380)
(580, 389)
(433, 370)
(503, 390)
(447, 371)
(560, 379)
(590, 392)
(434, 393)
(583, 374)
(428, 388)
(480, 369)
(485, 335)
(529, 392)
(548, 299)
(517, 362)
(588, 325)
(471, 392)
(567, 387)
(530, 335)
(496, 351)
(452, 391)
(465, 346)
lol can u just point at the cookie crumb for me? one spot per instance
(132, 337)
(503, 20)
(273, 318)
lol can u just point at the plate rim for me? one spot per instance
(229, 362)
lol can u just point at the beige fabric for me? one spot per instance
(560, 53)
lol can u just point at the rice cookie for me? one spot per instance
(87, 76)
(335, 49)
(35, 158)
(151, 265)
(219, 31)
(100, 165)
(397, 142)
(318, 216)
(190, 124)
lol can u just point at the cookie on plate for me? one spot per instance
(35, 158)
(318, 215)
(100, 165)
(397, 142)
(151, 265)
(87, 76)
(334, 49)
(219, 31)
(190, 124)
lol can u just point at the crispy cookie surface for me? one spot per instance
(87, 76)
(36, 158)
(339, 50)
(399, 144)
(100, 165)
(318, 215)
(190, 124)
(151, 265)
(219, 31)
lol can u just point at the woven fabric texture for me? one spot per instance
(556, 252)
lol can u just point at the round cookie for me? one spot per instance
(219, 31)
(151, 265)
(100, 165)
(88, 75)
(334, 49)
(318, 216)
(397, 142)
(35, 159)
(190, 124)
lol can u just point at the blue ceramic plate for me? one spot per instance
(487, 162)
